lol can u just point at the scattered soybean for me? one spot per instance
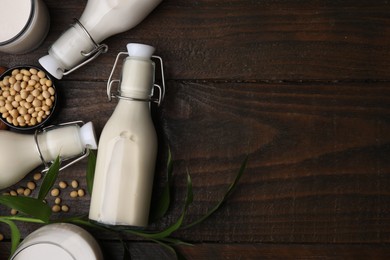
(55, 192)
(81, 193)
(64, 208)
(57, 201)
(31, 185)
(73, 194)
(56, 208)
(75, 184)
(62, 184)
(37, 176)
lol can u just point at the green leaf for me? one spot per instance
(23, 219)
(167, 232)
(30, 206)
(126, 251)
(15, 234)
(172, 249)
(162, 206)
(50, 178)
(227, 194)
(190, 194)
(91, 170)
(168, 247)
(175, 241)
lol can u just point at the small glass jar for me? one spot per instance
(60, 241)
(24, 25)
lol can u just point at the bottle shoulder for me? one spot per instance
(133, 122)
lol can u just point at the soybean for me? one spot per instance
(27, 192)
(74, 194)
(56, 208)
(55, 192)
(62, 184)
(57, 201)
(74, 184)
(37, 176)
(31, 185)
(81, 193)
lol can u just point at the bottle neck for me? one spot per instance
(61, 57)
(137, 78)
(63, 141)
(134, 107)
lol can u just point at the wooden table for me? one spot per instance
(301, 87)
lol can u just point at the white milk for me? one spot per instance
(24, 25)
(60, 241)
(127, 152)
(17, 11)
(19, 154)
(101, 19)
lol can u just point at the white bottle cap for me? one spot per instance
(88, 136)
(52, 66)
(140, 50)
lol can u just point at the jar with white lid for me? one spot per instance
(60, 241)
(24, 25)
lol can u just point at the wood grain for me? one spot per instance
(266, 40)
(141, 251)
(301, 87)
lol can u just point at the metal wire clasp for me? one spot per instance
(76, 158)
(91, 55)
(161, 92)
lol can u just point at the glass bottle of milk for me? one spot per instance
(127, 148)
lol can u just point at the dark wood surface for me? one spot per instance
(301, 87)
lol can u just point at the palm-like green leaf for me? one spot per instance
(91, 170)
(162, 206)
(15, 234)
(30, 206)
(168, 231)
(50, 178)
(227, 194)
(126, 251)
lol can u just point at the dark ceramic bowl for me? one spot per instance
(28, 98)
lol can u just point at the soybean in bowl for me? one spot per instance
(27, 97)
